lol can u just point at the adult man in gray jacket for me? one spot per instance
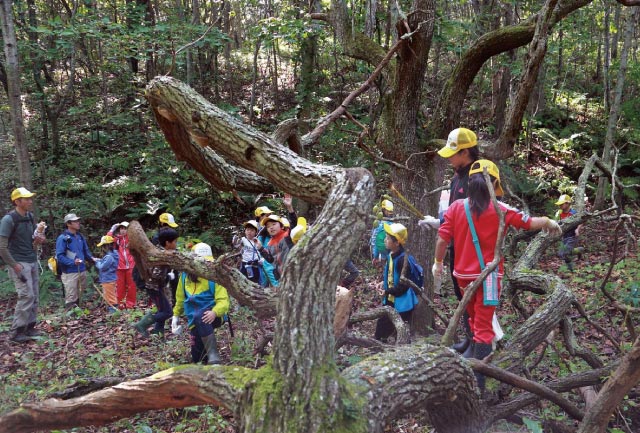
(18, 236)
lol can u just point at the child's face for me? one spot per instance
(565, 207)
(391, 243)
(122, 230)
(273, 227)
(249, 232)
(171, 245)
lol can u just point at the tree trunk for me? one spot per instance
(14, 93)
(614, 114)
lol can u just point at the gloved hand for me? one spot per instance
(552, 227)
(429, 222)
(175, 328)
(436, 270)
(113, 229)
(171, 275)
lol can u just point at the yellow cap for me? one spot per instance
(398, 231)
(387, 205)
(493, 170)
(272, 217)
(168, 219)
(250, 223)
(262, 210)
(460, 138)
(299, 230)
(21, 193)
(564, 198)
(203, 251)
(105, 240)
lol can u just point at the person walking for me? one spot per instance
(396, 293)
(570, 237)
(158, 286)
(18, 236)
(379, 252)
(472, 225)
(461, 150)
(72, 253)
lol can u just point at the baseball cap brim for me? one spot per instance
(447, 152)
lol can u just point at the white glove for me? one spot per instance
(113, 229)
(175, 328)
(436, 270)
(552, 228)
(172, 276)
(429, 222)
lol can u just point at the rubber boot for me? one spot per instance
(482, 350)
(211, 345)
(143, 324)
(19, 336)
(470, 350)
(461, 347)
(31, 331)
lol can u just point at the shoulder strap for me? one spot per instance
(15, 217)
(476, 242)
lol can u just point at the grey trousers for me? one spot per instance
(26, 310)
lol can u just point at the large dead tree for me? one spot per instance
(301, 389)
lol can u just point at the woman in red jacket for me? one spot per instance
(466, 267)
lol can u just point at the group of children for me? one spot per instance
(267, 240)
(203, 302)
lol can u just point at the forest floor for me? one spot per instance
(91, 344)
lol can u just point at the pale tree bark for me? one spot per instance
(625, 378)
(447, 113)
(301, 389)
(614, 114)
(503, 147)
(14, 93)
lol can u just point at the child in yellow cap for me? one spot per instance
(397, 294)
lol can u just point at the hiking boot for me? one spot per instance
(482, 350)
(462, 346)
(578, 251)
(142, 325)
(470, 350)
(31, 331)
(19, 336)
(211, 345)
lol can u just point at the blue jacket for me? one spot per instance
(107, 266)
(404, 300)
(68, 248)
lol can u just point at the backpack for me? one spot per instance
(52, 263)
(417, 273)
(17, 219)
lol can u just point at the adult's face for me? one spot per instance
(460, 159)
(24, 204)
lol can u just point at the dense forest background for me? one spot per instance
(89, 142)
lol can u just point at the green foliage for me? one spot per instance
(532, 426)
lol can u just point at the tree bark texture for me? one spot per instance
(447, 114)
(14, 93)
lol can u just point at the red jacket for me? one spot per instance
(126, 260)
(455, 227)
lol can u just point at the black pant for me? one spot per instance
(201, 329)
